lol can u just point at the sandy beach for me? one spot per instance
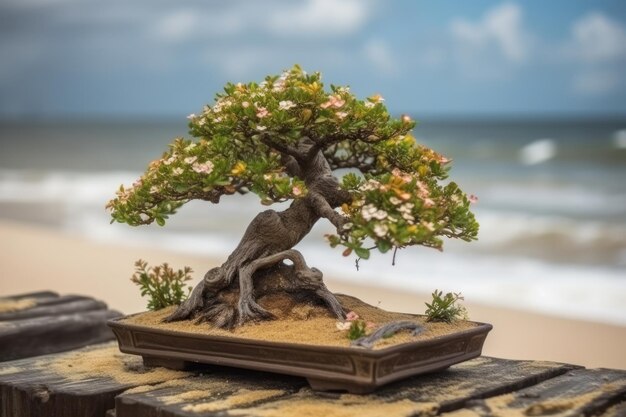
(36, 258)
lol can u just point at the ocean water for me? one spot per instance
(552, 208)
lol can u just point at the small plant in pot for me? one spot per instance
(284, 139)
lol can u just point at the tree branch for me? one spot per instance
(282, 148)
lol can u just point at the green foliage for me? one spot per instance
(445, 308)
(161, 284)
(398, 209)
(358, 329)
(241, 142)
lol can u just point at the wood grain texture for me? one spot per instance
(224, 392)
(51, 323)
(582, 392)
(81, 383)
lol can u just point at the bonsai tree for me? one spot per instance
(283, 139)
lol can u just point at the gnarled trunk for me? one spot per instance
(268, 241)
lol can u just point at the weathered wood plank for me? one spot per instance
(583, 392)
(43, 322)
(241, 393)
(57, 306)
(618, 410)
(37, 294)
(80, 383)
(44, 335)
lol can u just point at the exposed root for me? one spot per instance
(387, 330)
(236, 304)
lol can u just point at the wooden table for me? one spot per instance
(98, 380)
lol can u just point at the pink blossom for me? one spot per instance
(472, 199)
(351, 316)
(333, 101)
(296, 190)
(428, 203)
(341, 114)
(423, 189)
(262, 112)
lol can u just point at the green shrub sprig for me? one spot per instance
(444, 308)
(161, 284)
(358, 329)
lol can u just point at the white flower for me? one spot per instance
(169, 160)
(341, 115)
(369, 104)
(381, 230)
(370, 185)
(190, 146)
(380, 214)
(345, 325)
(368, 211)
(154, 189)
(408, 217)
(191, 159)
(191, 116)
(177, 171)
(406, 208)
(205, 168)
(261, 128)
(428, 225)
(245, 104)
(286, 105)
(395, 201)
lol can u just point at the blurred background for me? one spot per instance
(527, 98)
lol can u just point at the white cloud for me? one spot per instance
(377, 52)
(597, 52)
(501, 27)
(177, 26)
(597, 38)
(319, 17)
(310, 18)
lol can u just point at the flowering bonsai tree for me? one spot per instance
(282, 140)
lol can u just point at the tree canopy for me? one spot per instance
(247, 140)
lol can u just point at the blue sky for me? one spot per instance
(142, 58)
